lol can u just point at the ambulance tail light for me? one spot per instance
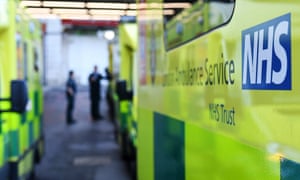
(121, 88)
(19, 97)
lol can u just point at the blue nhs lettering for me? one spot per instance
(266, 55)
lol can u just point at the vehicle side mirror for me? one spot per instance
(121, 89)
(19, 97)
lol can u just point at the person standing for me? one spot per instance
(71, 89)
(95, 93)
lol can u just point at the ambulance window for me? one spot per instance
(36, 60)
(196, 19)
(25, 61)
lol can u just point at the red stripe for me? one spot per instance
(91, 23)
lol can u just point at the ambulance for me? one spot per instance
(126, 93)
(219, 90)
(21, 116)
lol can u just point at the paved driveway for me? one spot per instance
(84, 151)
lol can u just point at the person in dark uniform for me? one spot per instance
(71, 89)
(95, 93)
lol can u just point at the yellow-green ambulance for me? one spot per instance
(219, 90)
(126, 92)
(21, 129)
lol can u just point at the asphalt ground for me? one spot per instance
(85, 150)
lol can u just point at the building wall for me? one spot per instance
(54, 68)
(82, 53)
(64, 52)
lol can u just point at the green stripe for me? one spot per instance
(36, 103)
(23, 118)
(31, 133)
(123, 117)
(289, 170)
(6, 146)
(14, 144)
(168, 148)
(1, 124)
(134, 124)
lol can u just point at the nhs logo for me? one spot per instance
(266, 55)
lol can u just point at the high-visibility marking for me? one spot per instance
(169, 151)
(289, 170)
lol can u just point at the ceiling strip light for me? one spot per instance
(158, 5)
(69, 11)
(165, 12)
(106, 12)
(132, 6)
(107, 5)
(31, 3)
(136, 6)
(63, 4)
(177, 5)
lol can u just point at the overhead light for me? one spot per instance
(63, 4)
(138, 6)
(38, 10)
(106, 12)
(132, 6)
(177, 5)
(165, 12)
(109, 35)
(107, 5)
(69, 11)
(159, 5)
(31, 3)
